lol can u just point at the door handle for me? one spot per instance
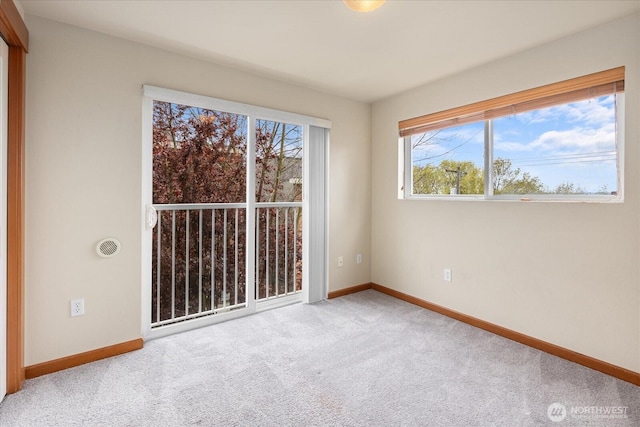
(151, 217)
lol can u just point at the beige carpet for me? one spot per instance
(362, 360)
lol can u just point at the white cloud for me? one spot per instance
(538, 116)
(512, 147)
(591, 111)
(577, 139)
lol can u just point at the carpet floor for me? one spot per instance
(365, 359)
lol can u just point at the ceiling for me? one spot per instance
(323, 45)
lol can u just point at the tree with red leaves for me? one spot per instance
(200, 156)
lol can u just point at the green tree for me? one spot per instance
(471, 177)
(509, 180)
(569, 188)
(428, 180)
(440, 179)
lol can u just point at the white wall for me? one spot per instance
(83, 174)
(565, 273)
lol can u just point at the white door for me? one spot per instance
(4, 77)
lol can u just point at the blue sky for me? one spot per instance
(572, 143)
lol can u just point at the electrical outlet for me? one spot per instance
(447, 275)
(359, 259)
(340, 261)
(77, 307)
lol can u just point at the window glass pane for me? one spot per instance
(449, 161)
(278, 162)
(199, 155)
(565, 149)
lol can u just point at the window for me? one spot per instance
(557, 142)
(449, 160)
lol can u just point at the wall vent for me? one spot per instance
(108, 247)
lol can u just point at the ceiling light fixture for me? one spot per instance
(363, 5)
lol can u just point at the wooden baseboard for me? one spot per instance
(580, 359)
(350, 290)
(82, 358)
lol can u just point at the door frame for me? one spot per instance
(14, 31)
(4, 100)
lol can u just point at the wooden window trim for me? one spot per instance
(589, 86)
(14, 31)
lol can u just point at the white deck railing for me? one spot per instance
(278, 250)
(199, 258)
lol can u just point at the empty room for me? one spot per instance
(323, 212)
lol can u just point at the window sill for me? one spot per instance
(516, 198)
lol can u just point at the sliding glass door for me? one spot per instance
(227, 203)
